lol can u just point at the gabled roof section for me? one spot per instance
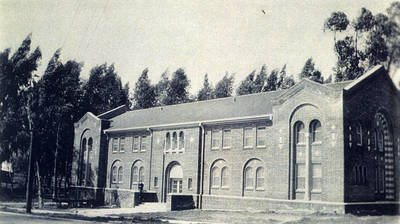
(114, 112)
(306, 84)
(85, 117)
(209, 110)
(374, 71)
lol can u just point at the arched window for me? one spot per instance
(260, 178)
(315, 130)
(174, 141)
(141, 174)
(82, 163)
(120, 174)
(380, 141)
(249, 179)
(90, 144)
(181, 140)
(215, 177)
(114, 174)
(359, 135)
(300, 135)
(168, 141)
(137, 175)
(224, 176)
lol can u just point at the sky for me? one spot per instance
(206, 36)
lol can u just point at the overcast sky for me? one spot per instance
(204, 36)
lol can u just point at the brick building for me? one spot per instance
(332, 147)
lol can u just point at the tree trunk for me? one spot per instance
(55, 162)
(40, 199)
(30, 164)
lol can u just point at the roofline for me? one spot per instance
(91, 114)
(112, 110)
(363, 77)
(194, 123)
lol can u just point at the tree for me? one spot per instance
(144, 94)
(103, 91)
(59, 102)
(207, 92)
(247, 85)
(224, 87)
(310, 72)
(260, 80)
(271, 81)
(15, 75)
(161, 88)
(337, 22)
(177, 90)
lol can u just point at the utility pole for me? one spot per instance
(31, 162)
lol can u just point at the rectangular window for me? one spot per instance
(248, 137)
(216, 139)
(226, 139)
(115, 144)
(316, 171)
(261, 135)
(155, 182)
(122, 144)
(190, 183)
(359, 135)
(143, 146)
(300, 176)
(136, 143)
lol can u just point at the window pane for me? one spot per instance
(261, 135)
(168, 141)
(135, 175)
(215, 136)
(120, 174)
(227, 139)
(359, 134)
(215, 177)
(181, 140)
(316, 131)
(300, 183)
(260, 177)
(174, 141)
(316, 184)
(136, 143)
(155, 181)
(190, 183)
(144, 143)
(300, 137)
(249, 177)
(224, 177)
(316, 170)
(114, 174)
(122, 144)
(115, 144)
(141, 174)
(248, 137)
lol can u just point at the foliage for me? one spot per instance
(103, 91)
(15, 75)
(177, 90)
(144, 94)
(310, 72)
(161, 88)
(207, 92)
(224, 87)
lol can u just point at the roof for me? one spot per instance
(339, 85)
(222, 108)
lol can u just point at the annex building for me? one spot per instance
(326, 147)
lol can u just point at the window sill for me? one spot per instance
(214, 149)
(248, 147)
(214, 187)
(317, 143)
(142, 150)
(260, 189)
(319, 191)
(301, 144)
(300, 191)
(225, 188)
(135, 150)
(249, 188)
(226, 148)
(261, 146)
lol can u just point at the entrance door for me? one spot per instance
(175, 179)
(175, 185)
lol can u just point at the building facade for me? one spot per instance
(332, 147)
